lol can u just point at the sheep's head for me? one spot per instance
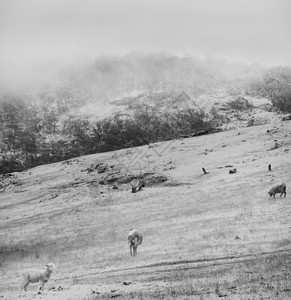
(270, 193)
(51, 267)
(132, 230)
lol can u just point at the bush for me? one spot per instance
(282, 101)
(240, 103)
(9, 165)
(217, 118)
(278, 87)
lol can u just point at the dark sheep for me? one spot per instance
(279, 188)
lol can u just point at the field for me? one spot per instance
(206, 236)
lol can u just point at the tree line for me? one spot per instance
(30, 136)
(41, 126)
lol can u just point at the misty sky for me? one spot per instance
(251, 30)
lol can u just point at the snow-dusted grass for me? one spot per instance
(83, 230)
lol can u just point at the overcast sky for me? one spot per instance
(251, 30)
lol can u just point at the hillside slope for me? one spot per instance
(217, 230)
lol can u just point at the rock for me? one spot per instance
(204, 171)
(200, 132)
(233, 171)
(101, 168)
(184, 136)
(222, 295)
(153, 146)
(251, 122)
(276, 146)
(112, 178)
(286, 118)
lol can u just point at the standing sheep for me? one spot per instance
(136, 185)
(279, 188)
(134, 239)
(35, 275)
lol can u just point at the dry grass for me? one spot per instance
(83, 229)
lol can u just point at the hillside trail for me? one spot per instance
(137, 275)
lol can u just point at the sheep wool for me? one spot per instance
(276, 189)
(135, 238)
(34, 275)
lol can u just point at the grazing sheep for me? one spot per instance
(35, 275)
(134, 239)
(279, 188)
(136, 185)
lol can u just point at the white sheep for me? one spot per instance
(35, 275)
(134, 239)
(279, 188)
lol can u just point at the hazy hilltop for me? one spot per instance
(123, 101)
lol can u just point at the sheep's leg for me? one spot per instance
(130, 250)
(134, 250)
(24, 285)
(41, 284)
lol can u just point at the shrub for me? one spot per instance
(278, 87)
(216, 116)
(8, 165)
(240, 103)
(282, 101)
